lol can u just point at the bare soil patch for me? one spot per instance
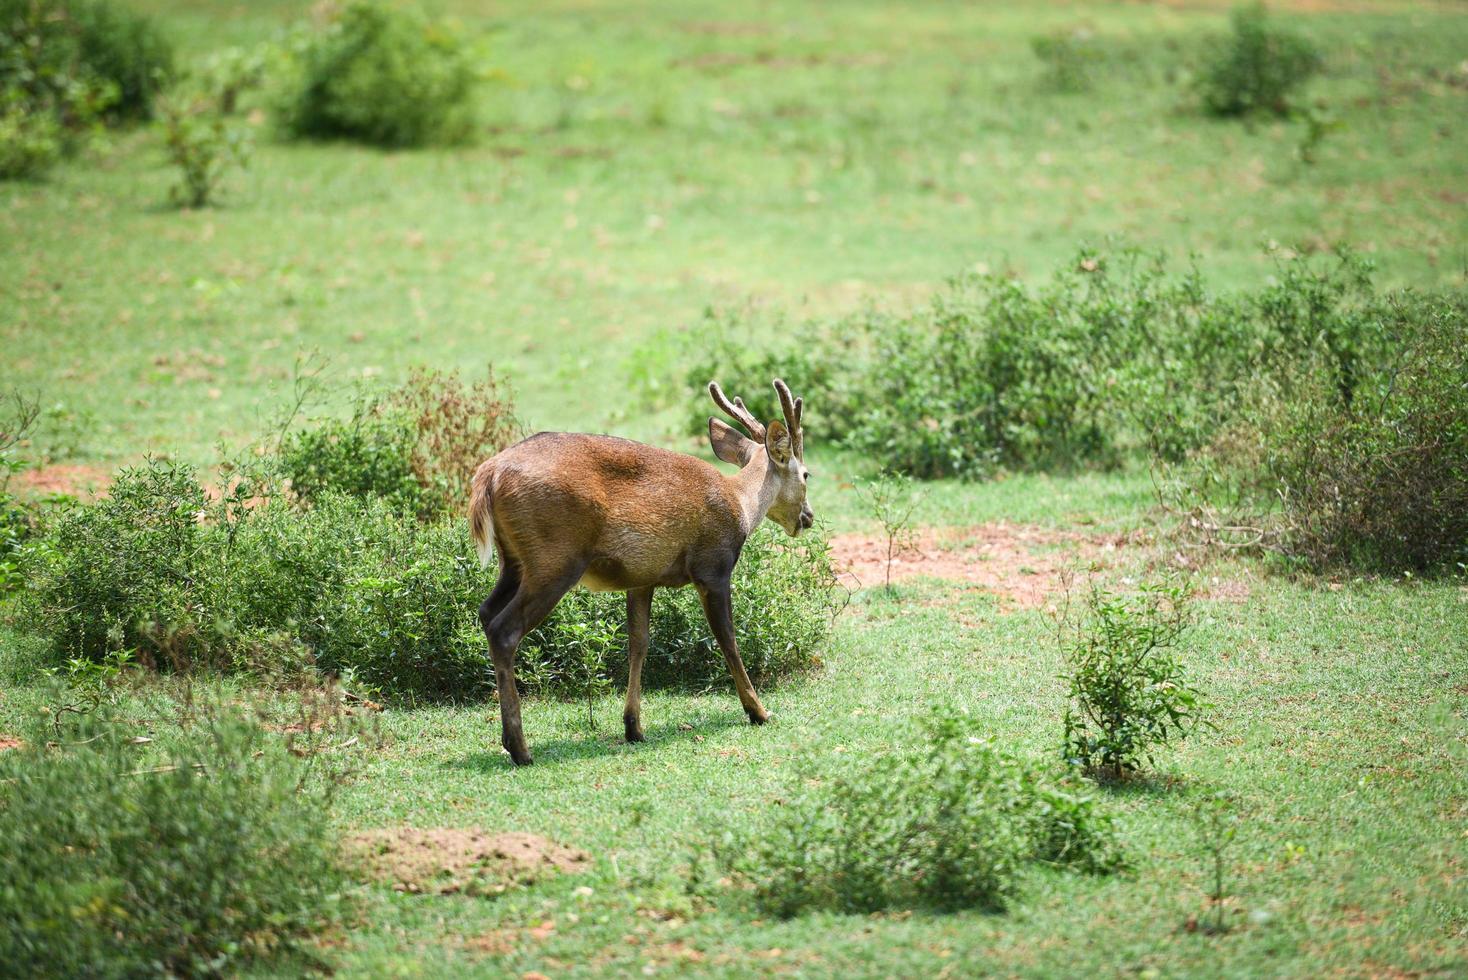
(9, 742)
(446, 860)
(74, 479)
(1022, 564)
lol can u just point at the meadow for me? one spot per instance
(640, 168)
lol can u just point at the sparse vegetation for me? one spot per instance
(890, 499)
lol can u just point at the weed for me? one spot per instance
(1127, 690)
(1216, 820)
(890, 499)
(1070, 58)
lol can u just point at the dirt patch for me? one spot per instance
(8, 742)
(1023, 564)
(445, 860)
(73, 479)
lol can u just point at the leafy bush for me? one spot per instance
(416, 446)
(30, 142)
(1113, 358)
(203, 144)
(185, 857)
(946, 824)
(51, 49)
(1128, 693)
(358, 584)
(386, 76)
(1371, 474)
(721, 349)
(1258, 68)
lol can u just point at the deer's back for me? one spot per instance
(645, 515)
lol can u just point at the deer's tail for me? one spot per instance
(481, 518)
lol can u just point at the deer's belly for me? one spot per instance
(613, 575)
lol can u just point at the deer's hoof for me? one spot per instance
(633, 728)
(759, 719)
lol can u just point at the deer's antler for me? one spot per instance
(737, 412)
(792, 408)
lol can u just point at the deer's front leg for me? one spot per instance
(639, 612)
(719, 609)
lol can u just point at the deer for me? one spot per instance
(561, 509)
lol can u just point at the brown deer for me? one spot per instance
(564, 508)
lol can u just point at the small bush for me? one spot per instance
(30, 142)
(385, 76)
(189, 856)
(417, 446)
(203, 145)
(1258, 68)
(1128, 691)
(948, 824)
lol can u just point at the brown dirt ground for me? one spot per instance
(447, 860)
(76, 479)
(1022, 564)
(9, 742)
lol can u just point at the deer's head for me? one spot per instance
(779, 446)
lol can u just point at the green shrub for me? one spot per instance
(49, 49)
(416, 446)
(1113, 358)
(1128, 692)
(1372, 475)
(202, 144)
(185, 855)
(30, 142)
(947, 824)
(386, 76)
(1258, 68)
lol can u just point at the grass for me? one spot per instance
(645, 164)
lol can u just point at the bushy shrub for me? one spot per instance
(359, 584)
(720, 349)
(30, 142)
(1128, 692)
(1258, 67)
(183, 855)
(1373, 474)
(416, 446)
(946, 824)
(1114, 357)
(387, 76)
(51, 48)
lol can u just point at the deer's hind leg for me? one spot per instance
(639, 611)
(526, 609)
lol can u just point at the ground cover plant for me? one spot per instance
(808, 179)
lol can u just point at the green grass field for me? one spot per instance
(647, 161)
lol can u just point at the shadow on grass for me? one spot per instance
(1141, 784)
(589, 745)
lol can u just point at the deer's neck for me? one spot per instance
(755, 489)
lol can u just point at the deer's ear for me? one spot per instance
(777, 441)
(730, 445)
